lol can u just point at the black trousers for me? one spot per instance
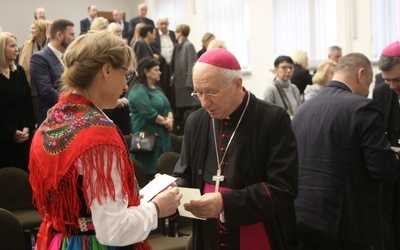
(311, 241)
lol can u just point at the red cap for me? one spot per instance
(220, 58)
(392, 50)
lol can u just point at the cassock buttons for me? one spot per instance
(222, 149)
(225, 136)
(227, 123)
(224, 163)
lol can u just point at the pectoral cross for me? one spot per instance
(218, 178)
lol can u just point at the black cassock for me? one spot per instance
(260, 167)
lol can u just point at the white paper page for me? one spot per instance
(155, 186)
(396, 149)
(188, 194)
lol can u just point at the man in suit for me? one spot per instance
(39, 14)
(334, 53)
(46, 66)
(164, 46)
(343, 157)
(117, 16)
(141, 18)
(387, 95)
(85, 23)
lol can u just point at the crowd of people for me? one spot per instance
(314, 165)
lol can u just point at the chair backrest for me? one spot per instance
(11, 232)
(176, 142)
(139, 173)
(15, 189)
(128, 139)
(166, 162)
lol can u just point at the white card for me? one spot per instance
(188, 194)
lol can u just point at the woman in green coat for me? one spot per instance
(150, 111)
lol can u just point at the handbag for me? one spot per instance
(143, 142)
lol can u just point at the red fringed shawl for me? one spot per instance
(73, 126)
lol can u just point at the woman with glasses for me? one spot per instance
(80, 170)
(150, 111)
(282, 92)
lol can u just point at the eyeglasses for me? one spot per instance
(198, 96)
(286, 67)
(130, 74)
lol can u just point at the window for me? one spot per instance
(175, 10)
(228, 20)
(308, 25)
(385, 21)
(221, 17)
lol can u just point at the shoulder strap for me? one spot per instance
(282, 95)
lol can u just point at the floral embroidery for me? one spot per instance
(65, 121)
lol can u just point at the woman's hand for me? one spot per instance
(21, 136)
(122, 102)
(168, 201)
(169, 124)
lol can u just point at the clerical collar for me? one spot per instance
(234, 117)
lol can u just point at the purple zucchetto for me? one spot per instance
(221, 58)
(392, 50)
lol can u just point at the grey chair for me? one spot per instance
(175, 226)
(139, 173)
(166, 162)
(176, 142)
(16, 197)
(11, 232)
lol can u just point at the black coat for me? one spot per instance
(85, 26)
(132, 25)
(263, 156)
(301, 78)
(343, 157)
(389, 102)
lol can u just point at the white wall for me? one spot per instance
(262, 29)
(17, 15)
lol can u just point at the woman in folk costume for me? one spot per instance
(81, 174)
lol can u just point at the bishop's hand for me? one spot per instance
(207, 206)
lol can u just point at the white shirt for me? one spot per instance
(167, 46)
(115, 223)
(58, 54)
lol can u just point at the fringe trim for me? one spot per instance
(60, 205)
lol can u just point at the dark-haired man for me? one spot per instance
(387, 95)
(46, 65)
(85, 23)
